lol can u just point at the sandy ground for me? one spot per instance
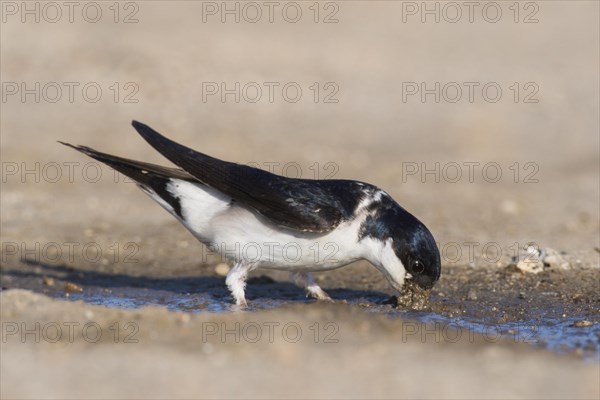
(64, 221)
(174, 354)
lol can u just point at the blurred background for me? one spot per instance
(376, 91)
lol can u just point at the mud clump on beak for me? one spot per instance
(412, 297)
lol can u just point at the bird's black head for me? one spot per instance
(417, 250)
(412, 244)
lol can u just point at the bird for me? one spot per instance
(257, 219)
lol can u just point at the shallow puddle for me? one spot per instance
(562, 336)
(565, 335)
(558, 310)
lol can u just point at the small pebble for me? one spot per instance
(583, 323)
(72, 288)
(535, 260)
(577, 297)
(553, 259)
(222, 269)
(472, 295)
(48, 281)
(530, 264)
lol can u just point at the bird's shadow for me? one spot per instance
(259, 287)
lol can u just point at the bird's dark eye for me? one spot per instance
(418, 267)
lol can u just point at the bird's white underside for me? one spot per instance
(251, 241)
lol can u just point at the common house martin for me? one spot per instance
(258, 219)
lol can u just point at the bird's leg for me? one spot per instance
(236, 282)
(306, 281)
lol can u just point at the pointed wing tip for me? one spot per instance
(149, 134)
(142, 129)
(73, 146)
(84, 149)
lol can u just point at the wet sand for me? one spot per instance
(178, 334)
(319, 350)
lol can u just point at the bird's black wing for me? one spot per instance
(298, 204)
(147, 176)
